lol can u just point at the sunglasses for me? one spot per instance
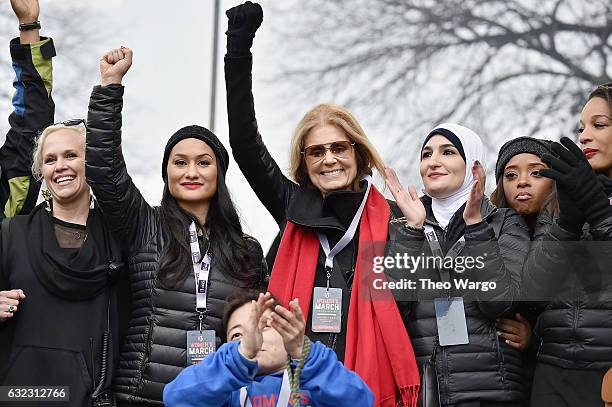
(67, 123)
(72, 122)
(339, 149)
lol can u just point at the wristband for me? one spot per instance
(409, 227)
(30, 26)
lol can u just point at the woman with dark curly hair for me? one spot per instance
(569, 265)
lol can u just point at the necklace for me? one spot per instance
(77, 235)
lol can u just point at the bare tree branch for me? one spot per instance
(504, 67)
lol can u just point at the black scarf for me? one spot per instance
(86, 274)
(455, 228)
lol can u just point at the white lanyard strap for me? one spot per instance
(436, 249)
(348, 235)
(201, 268)
(283, 396)
(434, 244)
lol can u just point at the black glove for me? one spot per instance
(580, 193)
(570, 216)
(242, 23)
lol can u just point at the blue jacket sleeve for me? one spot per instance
(330, 383)
(33, 110)
(211, 382)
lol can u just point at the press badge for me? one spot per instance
(199, 345)
(327, 309)
(450, 317)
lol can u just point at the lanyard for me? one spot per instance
(436, 249)
(283, 396)
(347, 237)
(201, 271)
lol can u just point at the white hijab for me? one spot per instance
(444, 208)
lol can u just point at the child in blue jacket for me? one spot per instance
(265, 358)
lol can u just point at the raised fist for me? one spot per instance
(114, 65)
(242, 23)
(27, 11)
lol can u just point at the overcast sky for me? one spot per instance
(168, 87)
(169, 84)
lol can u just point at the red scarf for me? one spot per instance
(376, 347)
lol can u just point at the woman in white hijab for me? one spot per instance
(452, 325)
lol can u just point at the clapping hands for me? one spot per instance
(289, 324)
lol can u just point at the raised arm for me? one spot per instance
(123, 205)
(33, 110)
(259, 168)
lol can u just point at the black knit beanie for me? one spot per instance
(450, 136)
(518, 146)
(200, 133)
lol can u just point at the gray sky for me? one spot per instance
(168, 87)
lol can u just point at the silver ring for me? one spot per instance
(11, 308)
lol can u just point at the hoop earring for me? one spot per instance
(47, 197)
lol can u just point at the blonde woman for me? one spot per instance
(59, 294)
(67, 268)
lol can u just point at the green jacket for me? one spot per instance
(33, 110)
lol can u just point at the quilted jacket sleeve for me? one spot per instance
(267, 180)
(122, 204)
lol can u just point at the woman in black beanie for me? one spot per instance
(185, 256)
(521, 187)
(519, 183)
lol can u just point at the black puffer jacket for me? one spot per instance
(286, 200)
(486, 368)
(153, 352)
(575, 328)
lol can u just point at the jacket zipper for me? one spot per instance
(576, 310)
(500, 358)
(444, 365)
(91, 367)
